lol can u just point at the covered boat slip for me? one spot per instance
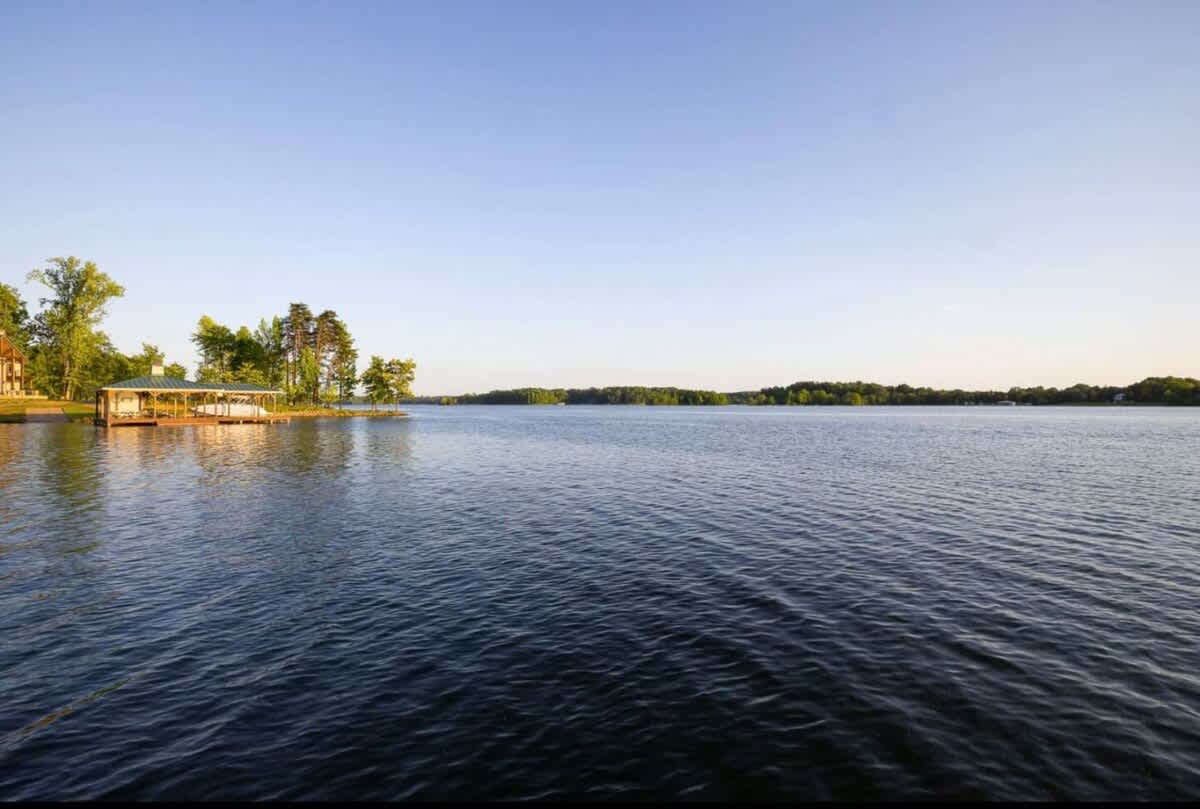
(161, 401)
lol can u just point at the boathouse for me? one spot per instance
(158, 400)
(12, 368)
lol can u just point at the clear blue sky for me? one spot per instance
(723, 195)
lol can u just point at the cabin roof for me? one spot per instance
(9, 349)
(171, 384)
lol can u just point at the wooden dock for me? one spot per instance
(192, 420)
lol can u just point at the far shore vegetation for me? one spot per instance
(1169, 390)
(310, 357)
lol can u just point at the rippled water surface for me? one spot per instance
(605, 602)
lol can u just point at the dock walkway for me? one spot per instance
(183, 422)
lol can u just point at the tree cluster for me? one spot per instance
(388, 381)
(311, 358)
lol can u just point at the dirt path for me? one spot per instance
(45, 414)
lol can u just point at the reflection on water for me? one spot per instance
(590, 602)
(66, 466)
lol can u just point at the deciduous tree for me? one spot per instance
(376, 381)
(66, 327)
(400, 376)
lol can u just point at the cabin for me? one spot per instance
(158, 400)
(12, 368)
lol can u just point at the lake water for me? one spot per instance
(605, 602)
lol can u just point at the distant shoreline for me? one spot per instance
(1166, 390)
(832, 404)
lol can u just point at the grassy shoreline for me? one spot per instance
(12, 411)
(313, 413)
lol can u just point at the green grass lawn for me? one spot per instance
(13, 410)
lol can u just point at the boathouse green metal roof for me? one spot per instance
(176, 385)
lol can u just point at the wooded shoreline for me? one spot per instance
(1168, 390)
(307, 358)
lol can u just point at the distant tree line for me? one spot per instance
(1153, 390)
(634, 395)
(1171, 390)
(1168, 390)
